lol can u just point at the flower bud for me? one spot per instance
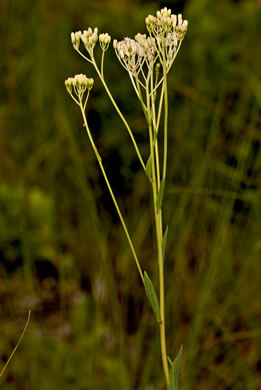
(90, 83)
(185, 24)
(73, 38)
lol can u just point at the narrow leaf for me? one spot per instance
(170, 361)
(152, 297)
(160, 195)
(174, 372)
(164, 242)
(149, 168)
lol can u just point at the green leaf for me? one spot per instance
(160, 195)
(174, 372)
(164, 242)
(152, 297)
(170, 361)
(149, 168)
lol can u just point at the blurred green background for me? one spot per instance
(63, 253)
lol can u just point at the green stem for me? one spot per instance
(154, 132)
(165, 122)
(110, 190)
(158, 225)
(160, 108)
(120, 113)
(102, 64)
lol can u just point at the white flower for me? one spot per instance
(89, 38)
(168, 30)
(130, 53)
(105, 41)
(79, 83)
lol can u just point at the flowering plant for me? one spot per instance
(148, 60)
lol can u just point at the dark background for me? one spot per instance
(63, 253)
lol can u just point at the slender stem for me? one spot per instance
(17, 345)
(110, 190)
(76, 101)
(156, 146)
(81, 54)
(120, 113)
(165, 121)
(165, 86)
(160, 108)
(156, 86)
(154, 130)
(143, 105)
(158, 225)
(102, 64)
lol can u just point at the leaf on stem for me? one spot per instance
(170, 361)
(164, 242)
(152, 296)
(149, 168)
(174, 372)
(160, 195)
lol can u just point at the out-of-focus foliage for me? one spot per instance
(62, 250)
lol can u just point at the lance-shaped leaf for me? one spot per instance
(160, 195)
(149, 168)
(174, 372)
(152, 296)
(164, 242)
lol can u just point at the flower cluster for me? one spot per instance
(76, 39)
(148, 46)
(105, 41)
(89, 38)
(133, 53)
(130, 54)
(164, 22)
(166, 32)
(79, 84)
(169, 31)
(139, 56)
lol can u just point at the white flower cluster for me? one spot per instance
(169, 31)
(164, 22)
(89, 38)
(133, 53)
(130, 54)
(79, 84)
(105, 41)
(148, 46)
(76, 39)
(166, 32)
